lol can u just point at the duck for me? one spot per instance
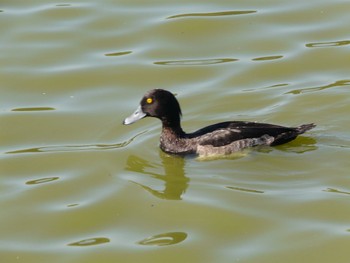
(222, 138)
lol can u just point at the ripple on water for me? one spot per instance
(34, 109)
(116, 54)
(165, 239)
(67, 190)
(338, 83)
(42, 180)
(328, 44)
(195, 62)
(75, 148)
(213, 14)
(267, 58)
(90, 242)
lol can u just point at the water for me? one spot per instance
(77, 186)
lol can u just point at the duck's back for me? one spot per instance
(224, 133)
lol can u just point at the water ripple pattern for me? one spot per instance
(78, 186)
(212, 14)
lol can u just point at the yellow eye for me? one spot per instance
(149, 100)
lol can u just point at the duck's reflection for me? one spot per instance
(174, 178)
(175, 181)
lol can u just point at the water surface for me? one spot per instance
(78, 186)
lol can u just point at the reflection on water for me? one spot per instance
(175, 181)
(165, 239)
(300, 145)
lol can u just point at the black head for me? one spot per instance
(160, 104)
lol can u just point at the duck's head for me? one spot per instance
(160, 104)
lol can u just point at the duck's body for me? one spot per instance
(220, 138)
(227, 137)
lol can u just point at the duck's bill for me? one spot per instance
(137, 115)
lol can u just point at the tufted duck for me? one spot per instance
(221, 138)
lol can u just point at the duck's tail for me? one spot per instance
(292, 134)
(305, 127)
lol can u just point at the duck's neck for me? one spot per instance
(173, 130)
(172, 125)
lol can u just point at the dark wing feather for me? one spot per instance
(226, 132)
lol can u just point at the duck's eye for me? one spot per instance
(149, 100)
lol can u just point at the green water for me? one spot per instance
(78, 186)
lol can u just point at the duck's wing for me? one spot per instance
(226, 132)
(219, 137)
